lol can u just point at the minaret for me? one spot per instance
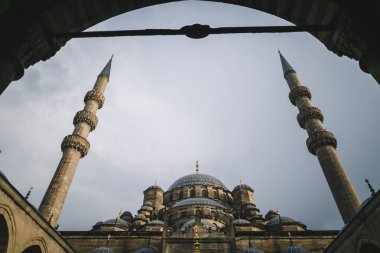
(74, 147)
(321, 143)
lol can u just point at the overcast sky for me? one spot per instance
(171, 101)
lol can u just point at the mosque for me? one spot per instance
(197, 213)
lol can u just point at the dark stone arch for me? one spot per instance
(33, 249)
(4, 235)
(28, 41)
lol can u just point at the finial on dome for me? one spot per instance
(197, 167)
(277, 210)
(107, 69)
(241, 182)
(370, 187)
(286, 67)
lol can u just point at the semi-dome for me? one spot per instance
(156, 223)
(113, 222)
(240, 221)
(198, 201)
(103, 250)
(197, 179)
(145, 250)
(146, 208)
(283, 220)
(295, 249)
(251, 250)
(207, 223)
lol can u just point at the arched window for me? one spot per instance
(180, 195)
(33, 249)
(4, 235)
(192, 193)
(204, 193)
(215, 195)
(369, 248)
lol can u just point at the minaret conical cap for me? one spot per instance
(286, 68)
(107, 69)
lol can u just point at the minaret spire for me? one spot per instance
(322, 144)
(107, 69)
(286, 67)
(74, 147)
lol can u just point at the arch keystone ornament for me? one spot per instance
(322, 144)
(74, 147)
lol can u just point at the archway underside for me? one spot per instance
(4, 235)
(28, 40)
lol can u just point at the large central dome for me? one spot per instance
(197, 179)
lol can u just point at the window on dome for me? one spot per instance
(204, 193)
(180, 195)
(192, 193)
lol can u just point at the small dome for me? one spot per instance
(197, 179)
(126, 216)
(156, 223)
(146, 208)
(198, 201)
(295, 249)
(154, 187)
(145, 250)
(242, 186)
(103, 250)
(240, 221)
(113, 222)
(140, 217)
(207, 223)
(284, 221)
(250, 250)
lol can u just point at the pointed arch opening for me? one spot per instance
(4, 235)
(33, 249)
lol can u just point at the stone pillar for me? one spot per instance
(321, 143)
(74, 147)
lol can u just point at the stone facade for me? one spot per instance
(22, 227)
